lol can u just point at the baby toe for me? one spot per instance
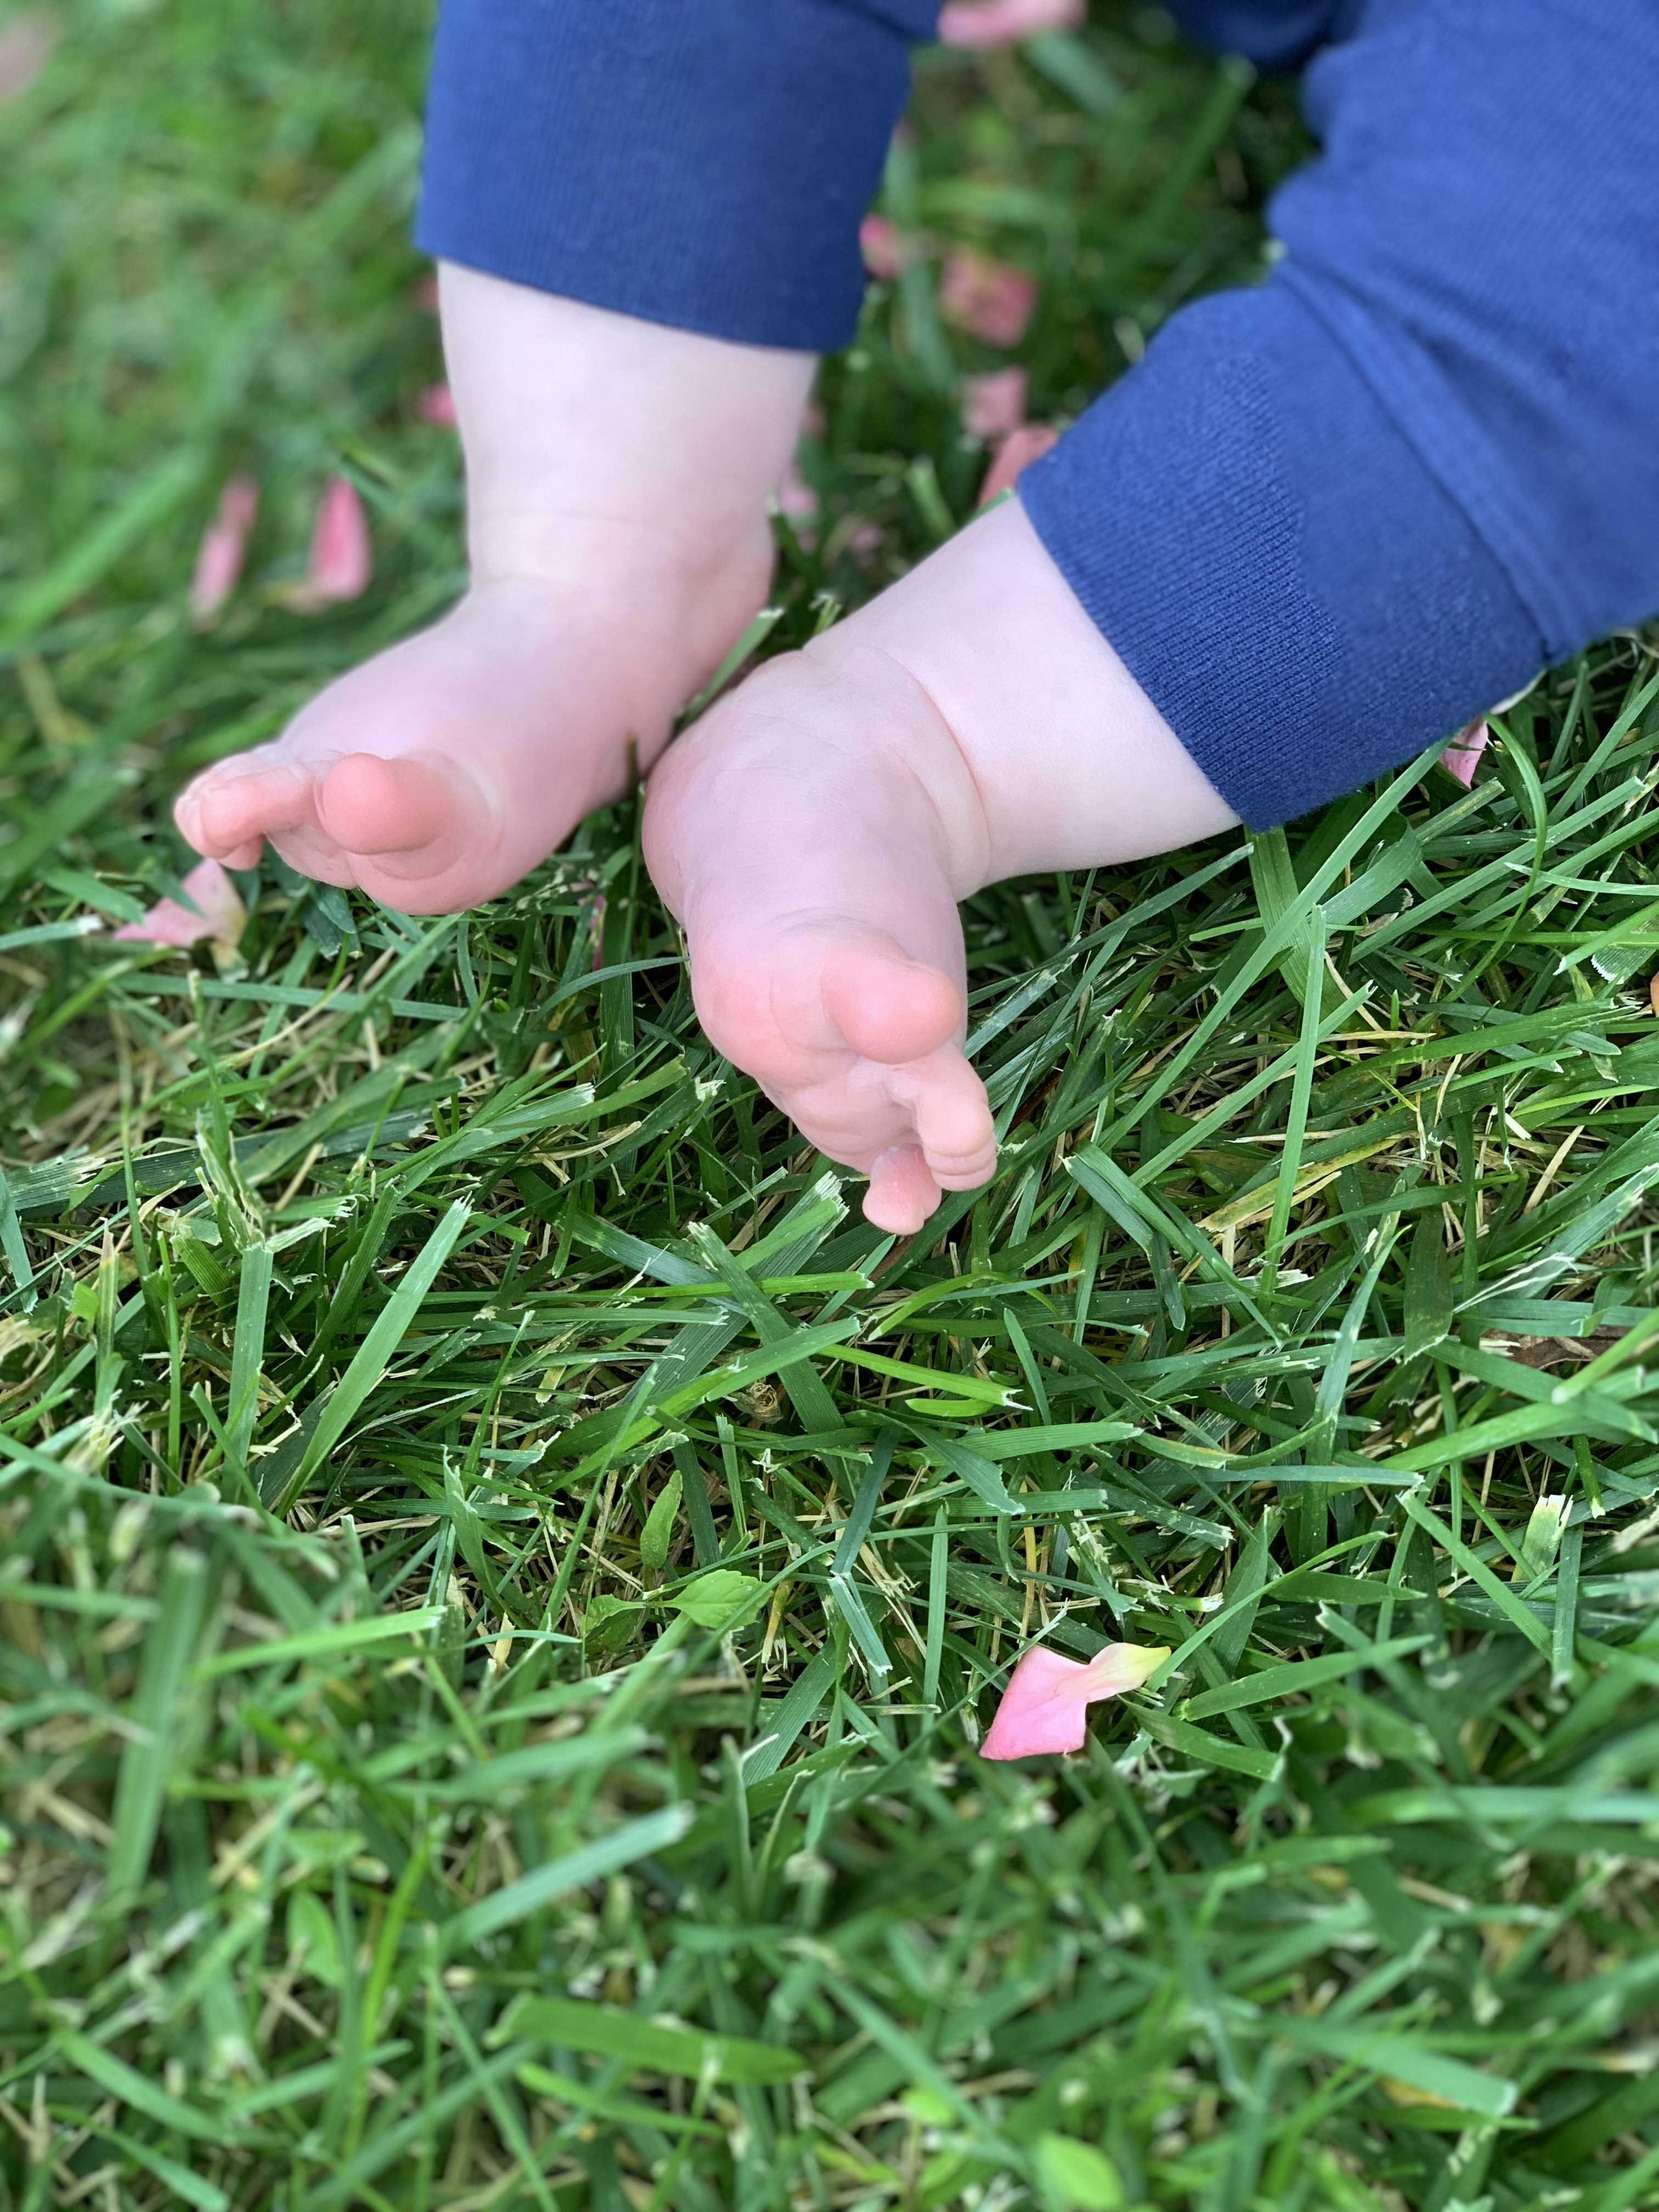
(902, 1192)
(228, 813)
(953, 1120)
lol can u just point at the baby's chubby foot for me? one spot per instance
(441, 771)
(617, 477)
(814, 831)
(811, 834)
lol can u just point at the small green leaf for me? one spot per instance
(1542, 1539)
(719, 1600)
(657, 1537)
(604, 1624)
(929, 2107)
(1078, 2178)
(312, 1937)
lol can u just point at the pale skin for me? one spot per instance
(815, 830)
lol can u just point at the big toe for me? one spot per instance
(410, 807)
(887, 1007)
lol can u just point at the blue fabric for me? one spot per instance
(1326, 520)
(1274, 34)
(698, 163)
(1278, 570)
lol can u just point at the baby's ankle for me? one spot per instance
(673, 600)
(618, 462)
(1070, 764)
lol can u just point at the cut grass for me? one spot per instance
(504, 1572)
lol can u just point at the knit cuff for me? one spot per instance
(1273, 562)
(703, 163)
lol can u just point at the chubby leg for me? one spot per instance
(617, 480)
(815, 830)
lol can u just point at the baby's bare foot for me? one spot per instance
(809, 833)
(617, 480)
(441, 771)
(814, 831)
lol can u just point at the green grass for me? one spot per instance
(492, 1665)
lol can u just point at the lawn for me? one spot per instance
(505, 1573)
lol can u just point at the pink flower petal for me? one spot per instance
(855, 534)
(26, 46)
(222, 917)
(886, 254)
(1000, 23)
(223, 549)
(424, 293)
(994, 406)
(796, 497)
(1015, 455)
(342, 561)
(341, 557)
(990, 300)
(1045, 1707)
(1463, 755)
(436, 405)
(799, 503)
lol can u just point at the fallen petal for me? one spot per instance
(886, 255)
(223, 549)
(342, 561)
(1462, 755)
(1014, 456)
(1000, 23)
(799, 501)
(796, 497)
(436, 405)
(1045, 1707)
(857, 535)
(994, 406)
(222, 917)
(342, 556)
(25, 47)
(991, 300)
